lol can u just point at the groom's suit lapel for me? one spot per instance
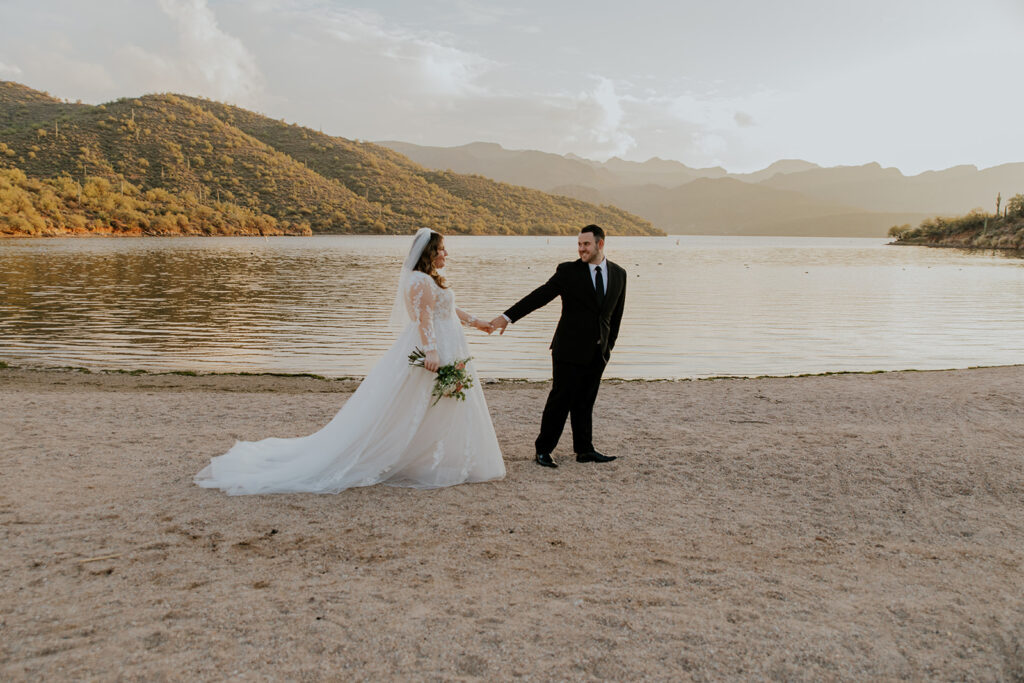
(614, 287)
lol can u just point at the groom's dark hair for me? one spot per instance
(596, 229)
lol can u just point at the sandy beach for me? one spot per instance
(826, 527)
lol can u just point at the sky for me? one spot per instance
(915, 84)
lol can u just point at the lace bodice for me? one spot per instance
(428, 305)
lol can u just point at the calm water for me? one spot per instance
(696, 306)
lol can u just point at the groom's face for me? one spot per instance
(590, 249)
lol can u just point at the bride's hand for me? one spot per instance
(483, 326)
(432, 361)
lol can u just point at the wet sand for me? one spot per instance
(843, 526)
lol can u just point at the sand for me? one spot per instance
(843, 526)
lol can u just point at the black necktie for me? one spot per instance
(599, 285)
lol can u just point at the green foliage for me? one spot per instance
(62, 205)
(1015, 205)
(976, 230)
(179, 165)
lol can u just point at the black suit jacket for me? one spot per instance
(583, 329)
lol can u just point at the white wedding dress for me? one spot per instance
(389, 431)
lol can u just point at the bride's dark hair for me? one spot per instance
(426, 262)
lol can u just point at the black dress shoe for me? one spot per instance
(594, 456)
(545, 460)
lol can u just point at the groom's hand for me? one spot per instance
(499, 323)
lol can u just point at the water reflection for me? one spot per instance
(696, 306)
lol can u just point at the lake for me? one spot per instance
(696, 306)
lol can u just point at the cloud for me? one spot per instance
(483, 14)
(10, 70)
(710, 145)
(97, 53)
(422, 75)
(64, 76)
(445, 74)
(897, 83)
(597, 124)
(711, 110)
(397, 56)
(218, 64)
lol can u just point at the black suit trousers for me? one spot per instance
(573, 393)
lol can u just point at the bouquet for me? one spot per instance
(452, 379)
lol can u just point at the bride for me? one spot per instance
(390, 431)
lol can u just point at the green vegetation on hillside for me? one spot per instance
(37, 207)
(976, 230)
(168, 164)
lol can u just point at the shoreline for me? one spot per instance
(963, 247)
(839, 526)
(101, 235)
(9, 369)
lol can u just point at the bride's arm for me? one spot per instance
(421, 295)
(473, 321)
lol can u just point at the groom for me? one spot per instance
(593, 291)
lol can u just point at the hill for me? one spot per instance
(954, 190)
(22, 106)
(810, 200)
(726, 206)
(975, 230)
(781, 167)
(529, 168)
(170, 164)
(546, 171)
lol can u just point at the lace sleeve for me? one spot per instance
(421, 302)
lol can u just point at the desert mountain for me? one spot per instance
(955, 190)
(168, 164)
(789, 197)
(726, 206)
(544, 171)
(781, 167)
(538, 170)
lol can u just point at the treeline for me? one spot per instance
(62, 206)
(976, 230)
(148, 164)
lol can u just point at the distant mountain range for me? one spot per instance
(789, 197)
(171, 164)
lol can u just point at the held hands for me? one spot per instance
(473, 321)
(483, 326)
(499, 323)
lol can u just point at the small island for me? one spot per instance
(977, 230)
